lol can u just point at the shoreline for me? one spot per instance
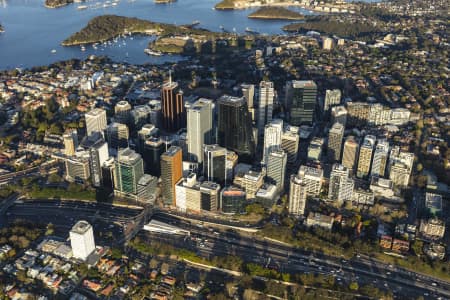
(285, 4)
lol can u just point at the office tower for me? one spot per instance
(272, 137)
(332, 98)
(315, 149)
(290, 140)
(265, 104)
(341, 185)
(339, 115)
(82, 240)
(97, 148)
(146, 132)
(129, 169)
(214, 163)
(171, 173)
(122, 112)
(95, 121)
(117, 135)
(267, 195)
(357, 113)
(153, 149)
(276, 168)
(232, 200)
(297, 196)
(187, 192)
(250, 181)
(209, 195)
(312, 177)
(235, 127)
(140, 116)
(248, 92)
(350, 155)
(77, 169)
(327, 43)
(108, 170)
(155, 116)
(231, 162)
(380, 158)
(146, 188)
(301, 99)
(199, 128)
(400, 166)
(335, 137)
(70, 142)
(365, 156)
(173, 114)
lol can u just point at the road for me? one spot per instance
(362, 269)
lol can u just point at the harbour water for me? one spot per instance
(33, 33)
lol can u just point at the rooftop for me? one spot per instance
(81, 227)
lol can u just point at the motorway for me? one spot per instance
(362, 269)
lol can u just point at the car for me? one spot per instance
(434, 284)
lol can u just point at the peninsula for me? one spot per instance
(332, 7)
(276, 13)
(107, 27)
(57, 3)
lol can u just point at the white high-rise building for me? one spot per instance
(380, 158)
(117, 135)
(82, 240)
(297, 196)
(312, 177)
(400, 166)
(350, 155)
(276, 168)
(265, 104)
(248, 92)
(341, 186)
(272, 137)
(199, 128)
(332, 98)
(95, 121)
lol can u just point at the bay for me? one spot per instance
(32, 31)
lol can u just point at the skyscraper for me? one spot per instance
(301, 100)
(214, 163)
(122, 112)
(153, 149)
(272, 137)
(332, 98)
(171, 173)
(232, 200)
(350, 156)
(312, 177)
(95, 121)
(117, 135)
(339, 114)
(265, 104)
(335, 137)
(82, 240)
(290, 140)
(380, 158)
(70, 142)
(97, 148)
(248, 92)
(341, 185)
(173, 114)
(235, 127)
(276, 168)
(77, 169)
(199, 128)
(297, 196)
(129, 169)
(365, 156)
(209, 195)
(400, 166)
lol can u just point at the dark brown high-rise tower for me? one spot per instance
(172, 104)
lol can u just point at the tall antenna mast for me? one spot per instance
(170, 77)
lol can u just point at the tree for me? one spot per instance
(353, 286)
